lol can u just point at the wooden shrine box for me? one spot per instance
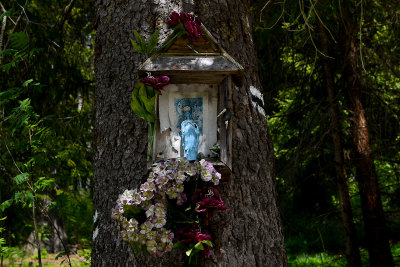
(201, 76)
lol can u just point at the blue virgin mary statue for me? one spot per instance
(190, 136)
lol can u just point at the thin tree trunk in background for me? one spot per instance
(350, 237)
(374, 222)
(249, 233)
(37, 240)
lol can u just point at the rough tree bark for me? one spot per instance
(350, 237)
(249, 233)
(375, 229)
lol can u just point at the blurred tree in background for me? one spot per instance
(304, 48)
(46, 103)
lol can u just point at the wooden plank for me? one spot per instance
(184, 45)
(221, 167)
(225, 99)
(192, 63)
(190, 77)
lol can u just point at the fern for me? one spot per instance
(20, 178)
(19, 41)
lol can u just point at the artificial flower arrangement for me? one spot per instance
(171, 209)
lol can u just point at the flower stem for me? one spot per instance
(151, 137)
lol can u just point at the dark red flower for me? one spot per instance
(209, 200)
(157, 82)
(174, 19)
(190, 233)
(191, 23)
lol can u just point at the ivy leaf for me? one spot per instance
(20, 178)
(199, 246)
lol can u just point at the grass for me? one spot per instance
(79, 259)
(82, 259)
(325, 259)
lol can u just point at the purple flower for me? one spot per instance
(159, 222)
(157, 82)
(148, 186)
(145, 227)
(151, 246)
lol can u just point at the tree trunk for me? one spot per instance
(350, 237)
(249, 233)
(377, 239)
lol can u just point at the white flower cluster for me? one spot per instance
(165, 182)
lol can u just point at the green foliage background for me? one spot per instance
(46, 118)
(289, 51)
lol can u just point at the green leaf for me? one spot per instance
(6, 204)
(30, 197)
(19, 196)
(141, 41)
(20, 178)
(207, 242)
(136, 104)
(188, 252)
(42, 183)
(178, 244)
(7, 13)
(150, 107)
(199, 246)
(150, 91)
(137, 47)
(149, 104)
(19, 41)
(137, 36)
(153, 42)
(6, 52)
(27, 82)
(188, 208)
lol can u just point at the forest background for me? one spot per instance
(46, 122)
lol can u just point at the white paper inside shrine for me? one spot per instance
(202, 100)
